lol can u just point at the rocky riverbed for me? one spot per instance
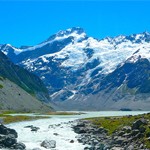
(74, 133)
(125, 138)
(8, 139)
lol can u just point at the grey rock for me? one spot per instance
(35, 129)
(135, 132)
(72, 141)
(131, 147)
(87, 148)
(8, 140)
(138, 136)
(5, 131)
(100, 146)
(120, 140)
(138, 123)
(29, 126)
(117, 148)
(127, 135)
(121, 133)
(19, 146)
(56, 134)
(48, 144)
(142, 129)
(36, 149)
(127, 129)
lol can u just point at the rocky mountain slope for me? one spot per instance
(14, 98)
(85, 73)
(26, 80)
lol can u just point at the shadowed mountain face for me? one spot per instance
(26, 80)
(83, 73)
(14, 98)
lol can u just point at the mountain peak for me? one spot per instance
(146, 33)
(76, 30)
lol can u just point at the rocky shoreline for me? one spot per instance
(97, 138)
(8, 139)
(93, 137)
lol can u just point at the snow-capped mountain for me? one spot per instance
(82, 72)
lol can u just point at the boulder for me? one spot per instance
(120, 140)
(5, 131)
(87, 148)
(127, 135)
(121, 133)
(100, 146)
(138, 136)
(138, 123)
(142, 129)
(130, 147)
(19, 146)
(135, 132)
(56, 134)
(80, 130)
(29, 126)
(127, 129)
(72, 141)
(80, 124)
(48, 144)
(35, 129)
(8, 140)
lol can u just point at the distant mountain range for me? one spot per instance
(84, 73)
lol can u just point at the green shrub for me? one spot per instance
(1, 78)
(1, 86)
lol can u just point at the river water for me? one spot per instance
(64, 131)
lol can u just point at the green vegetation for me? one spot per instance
(4, 112)
(1, 86)
(62, 113)
(10, 119)
(1, 78)
(7, 118)
(113, 124)
(147, 133)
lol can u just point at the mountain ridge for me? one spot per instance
(73, 66)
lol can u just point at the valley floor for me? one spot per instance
(60, 129)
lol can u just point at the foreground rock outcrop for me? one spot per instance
(131, 137)
(8, 139)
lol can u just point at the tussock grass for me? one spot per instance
(6, 118)
(1, 86)
(62, 113)
(1, 78)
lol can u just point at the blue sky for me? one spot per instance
(31, 22)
